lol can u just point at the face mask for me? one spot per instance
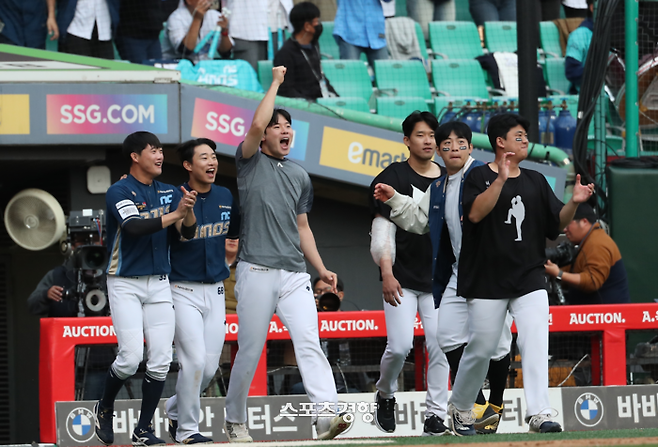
(318, 33)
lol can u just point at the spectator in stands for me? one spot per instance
(577, 48)
(140, 24)
(249, 19)
(426, 11)
(190, 24)
(301, 56)
(327, 8)
(597, 274)
(22, 23)
(231, 247)
(85, 27)
(278, 20)
(492, 10)
(359, 28)
(575, 8)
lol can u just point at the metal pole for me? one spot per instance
(600, 144)
(527, 36)
(632, 9)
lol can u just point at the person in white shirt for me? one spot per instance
(189, 24)
(87, 26)
(249, 29)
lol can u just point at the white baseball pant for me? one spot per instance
(261, 291)
(486, 319)
(453, 325)
(400, 322)
(142, 309)
(200, 332)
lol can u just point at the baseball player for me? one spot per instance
(501, 269)
(407, 283)
(275, 196)
(139, 209)
(439, 210)
(198, 269)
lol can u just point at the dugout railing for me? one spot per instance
(59, 338)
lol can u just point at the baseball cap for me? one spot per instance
(585, 211)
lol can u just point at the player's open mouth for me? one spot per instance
(211, 172)
(158, 164)
(285, 142)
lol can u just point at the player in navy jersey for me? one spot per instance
(139, 209)
(198, 269)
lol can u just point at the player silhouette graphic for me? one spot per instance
(518, 212)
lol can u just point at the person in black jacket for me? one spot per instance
(301, 56)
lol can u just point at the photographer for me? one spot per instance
(596, 275)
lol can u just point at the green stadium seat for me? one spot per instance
(442, 104)
(421, 41)
(401, 106)
(402, 78)
(455, 40)
(555, 77)
(459, 78)
(355, 103)
(349, 78)
(265, 74)
(550, 39)
(500, 36)
(328, 45)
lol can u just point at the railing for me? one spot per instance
(60, 336)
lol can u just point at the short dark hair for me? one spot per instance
(138, 141)
(460, 129)
(585, 211)
(339, 284)
(275, 116)
(301, 13)
(186, 150)
(500, 125)
(416, 117)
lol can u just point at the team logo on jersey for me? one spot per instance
(517, 211)
(165, 192)
(80, 424)
(588, 409)
(258, 269)
(134, 193)
(187, 289)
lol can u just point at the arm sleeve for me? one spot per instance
(244, 165)
(37, 302)
(143, 227)
(382, 241)
(176, 32)
(573, 70)
(553, 208)
(306, 200)
(474, 185)
(409, 215)
(234, 227)
(377, 207)
(597, 260)
(187, 232)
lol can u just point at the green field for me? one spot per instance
(564, 437)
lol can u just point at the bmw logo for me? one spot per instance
(588, 409)
(80, 424)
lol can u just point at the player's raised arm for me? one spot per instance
(263, 115)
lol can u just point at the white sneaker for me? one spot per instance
(237, 432)
(461, 422)
(542, 423)
(330, 427)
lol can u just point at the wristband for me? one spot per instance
(224, 33)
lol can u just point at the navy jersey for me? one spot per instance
(203, 259)
(133, 255)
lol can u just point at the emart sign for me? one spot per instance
(359, 153)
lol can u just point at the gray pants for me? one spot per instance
(251, 51)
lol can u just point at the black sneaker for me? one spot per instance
(488, 423)
(173, 426)
(197, 438)
(434, 426)
(385, 413)
(103, 425)
(146, 437)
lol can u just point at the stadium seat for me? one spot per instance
(265, 74)
(355, 103)
(555, 77)
(455, 40)
(402, 78)
(401, 106)
(421, 41)
(500, 36)
(328, 45)
(459, 78)
(349, 78)
(550, 39)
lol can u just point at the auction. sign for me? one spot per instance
(106, 114)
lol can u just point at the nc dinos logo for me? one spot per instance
(80, 424)
(588, 409)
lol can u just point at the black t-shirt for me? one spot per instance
(413, 258)
(503, 256)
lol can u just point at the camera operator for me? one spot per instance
(596, 275)
(50, 298)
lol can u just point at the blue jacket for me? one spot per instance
(66, 12)
(442, 254)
